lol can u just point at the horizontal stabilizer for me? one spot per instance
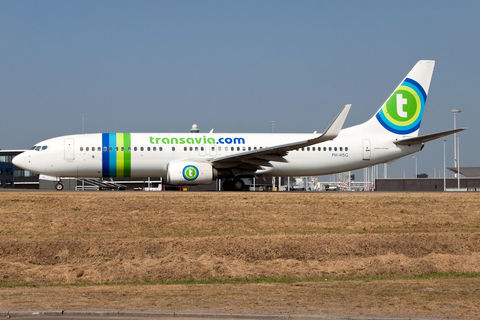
(426, 138)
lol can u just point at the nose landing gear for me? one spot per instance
(59, 186)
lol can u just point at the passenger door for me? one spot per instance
(69, 154)
(366, 149)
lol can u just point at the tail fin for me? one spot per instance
(402, 112)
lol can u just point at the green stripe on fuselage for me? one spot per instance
(127, 156)
(120, 154)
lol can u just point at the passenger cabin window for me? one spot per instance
(313, 148)
(86, 149)
(324, 148)
(160, 148)
(201, 148)
(141, 148)
(173, 148)
(81, 148)
(346, 148)
(335, 149)
(104, 148)
(129, 148)
(134, 148)
(154, 148)
(341, 149)
(184, 148)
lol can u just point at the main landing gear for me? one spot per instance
(233, 185)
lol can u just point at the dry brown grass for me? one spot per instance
(51, 238)
(438, 298)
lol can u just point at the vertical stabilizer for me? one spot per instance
(402, 113)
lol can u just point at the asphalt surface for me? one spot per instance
(137, 315)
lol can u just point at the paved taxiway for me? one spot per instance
(138, 315)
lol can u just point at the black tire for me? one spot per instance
(59, 186)
(238, 185)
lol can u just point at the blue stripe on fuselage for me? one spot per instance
(113, 155)
(105, 155)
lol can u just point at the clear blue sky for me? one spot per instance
(159, 66)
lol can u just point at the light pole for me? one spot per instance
(458, 168)
(444, 166)
(273, 127)
(416, 175)
(83, 123)
(455, 111)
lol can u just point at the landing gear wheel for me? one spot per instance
(238, 185)
(59, 186)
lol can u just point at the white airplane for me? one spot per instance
(193, 158)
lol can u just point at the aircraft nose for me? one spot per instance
(20, 160)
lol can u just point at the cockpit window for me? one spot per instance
(44, 147)
(33, 148)
(37, 148)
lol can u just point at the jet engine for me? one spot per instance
(190, 173)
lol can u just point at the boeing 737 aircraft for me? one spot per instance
(193, 158)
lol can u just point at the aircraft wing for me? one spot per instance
(261, 157)
(426, 138)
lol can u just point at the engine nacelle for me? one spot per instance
(190, 173)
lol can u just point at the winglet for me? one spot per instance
(335, 127)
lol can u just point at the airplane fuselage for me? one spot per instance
(148, 154)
